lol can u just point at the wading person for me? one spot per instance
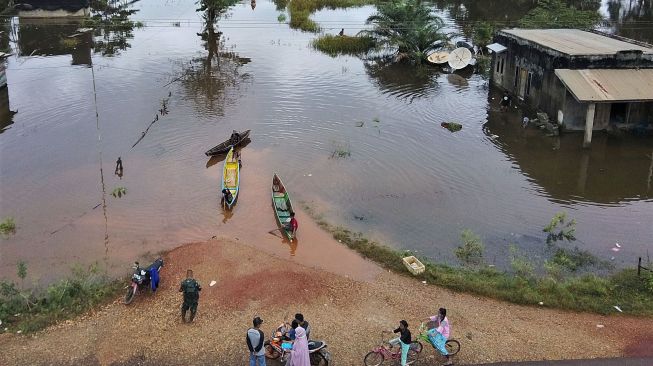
(255, 339)
(505, 101)
(404, 340)
(119, 166)
(191, 290)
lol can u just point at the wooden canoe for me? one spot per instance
(225, 146)
(282, 205)
(231, 178)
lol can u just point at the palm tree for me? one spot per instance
(408, 26)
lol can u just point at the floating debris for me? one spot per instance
(452, 126)
(600, 326)
(618, 309)
(212, 283)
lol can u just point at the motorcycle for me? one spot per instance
(143, 278)
(278, 347)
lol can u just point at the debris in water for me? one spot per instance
(615, 249)
(424, 282)
(452, 126)
(212, 283)
(541, 303)
(618, 309)
(600, 326)
(360, 124)
(18, 332)
(612, 258)
(310, 175)
(617, 245)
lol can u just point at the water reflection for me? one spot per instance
(207, 79)
(611, 172)
(402, 79)
(112, 27)
(631, 18)
(6, 114)
(53, 37)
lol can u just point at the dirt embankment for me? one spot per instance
(348, 313)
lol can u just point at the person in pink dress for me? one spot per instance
(299, 355)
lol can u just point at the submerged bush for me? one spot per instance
(7, 226)
(471, 251)
(343, 45)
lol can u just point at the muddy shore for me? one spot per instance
(347, 309)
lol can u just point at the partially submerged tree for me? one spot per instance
(409, 27)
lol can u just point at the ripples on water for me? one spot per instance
(408, 181)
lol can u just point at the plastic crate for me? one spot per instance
(414, 265)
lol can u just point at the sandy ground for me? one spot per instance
(348, 312)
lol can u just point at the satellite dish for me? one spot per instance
(459, 58)
(438, 57)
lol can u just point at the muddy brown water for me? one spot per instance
(359, 143)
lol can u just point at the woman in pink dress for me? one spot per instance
(299, 355)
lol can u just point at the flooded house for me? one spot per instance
(584, 81)
(53, 8)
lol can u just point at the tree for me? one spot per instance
(214, 8)
(557, 14)
(408, 26)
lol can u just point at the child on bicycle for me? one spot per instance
(438, 336)
(404, 339)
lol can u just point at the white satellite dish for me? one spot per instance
(460, 58)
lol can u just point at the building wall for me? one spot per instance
(528, 64)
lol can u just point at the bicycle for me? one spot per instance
(384, 351)
(451, 345)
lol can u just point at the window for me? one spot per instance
(528, 83)
(500, 62)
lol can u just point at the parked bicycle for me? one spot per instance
(386, 352)
(452, 346)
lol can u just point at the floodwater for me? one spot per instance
(358, 142)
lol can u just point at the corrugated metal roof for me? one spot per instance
(496, 47)
(575, 42)
(608, 85)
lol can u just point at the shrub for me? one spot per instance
(471, 252)
(343, 45)
(7, 226)
(558, 229)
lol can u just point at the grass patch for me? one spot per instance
(119, 192)
(7, 226)
(589, 292)
(301, 10)
(343, 45)
(32, 310)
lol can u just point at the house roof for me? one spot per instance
(69, 5)
(608, 85)
(575, 42)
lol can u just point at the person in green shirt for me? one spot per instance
(191, 290)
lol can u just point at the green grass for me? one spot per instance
(33, 310)
(588, 293)
(7, 226)
(301, 10)
(343, 45)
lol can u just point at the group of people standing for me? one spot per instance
(299, 331)
(297, 336)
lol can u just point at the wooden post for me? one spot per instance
(639, 267)
(589, 124)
